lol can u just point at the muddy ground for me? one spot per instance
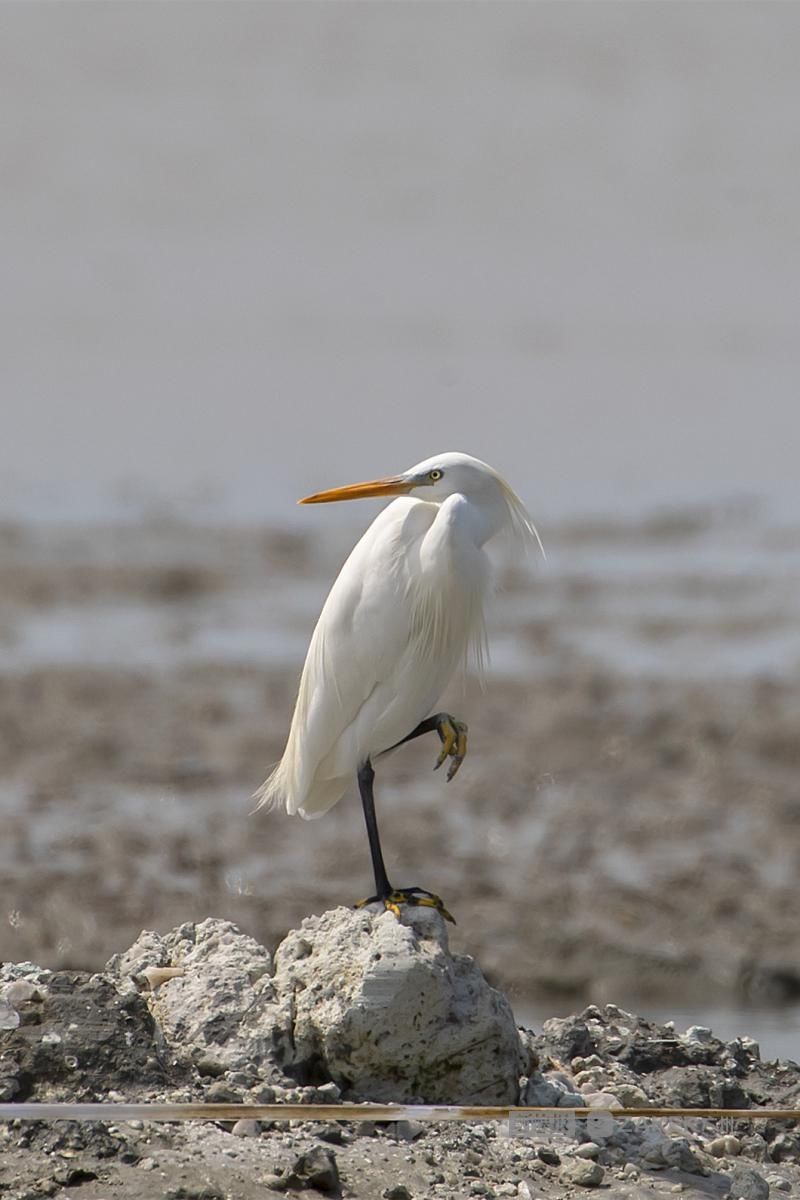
(626, 826)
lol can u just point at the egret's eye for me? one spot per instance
(435, 475)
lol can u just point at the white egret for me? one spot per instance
(404, 612)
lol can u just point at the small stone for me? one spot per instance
(747, 1184)
(405, 1131)
(549, 1156)
(147, 1164)
(9, 1017)
(155, 976)
(630, 1171)
(246, 1128)
(755, 1147)
(506, 1189)
(240, 1078)
(786, 1146)
(600, 1100)
(779, 1183)
(220, 1093)
(677, 1187)
(542, 1093)
(317, 1169)
(587, 1064)
(587, 1150)
(332, 1133)
(73, 1176)
(210, 1066)
(20, 991)
(398, 1192)
(275, 1183)
(698, 1033)
(582, 1172)
(631, 1096)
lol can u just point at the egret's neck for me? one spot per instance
(477, 521)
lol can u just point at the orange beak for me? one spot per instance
(391, 485)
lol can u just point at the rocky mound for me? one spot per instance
(360, 1006)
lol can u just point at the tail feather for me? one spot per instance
(277, 792)
(272, 793)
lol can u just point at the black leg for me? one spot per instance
(366, 775)
(391, 897)
(429, 725)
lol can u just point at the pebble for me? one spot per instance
(587, 1150)
(147, 1164)
(506, 1189)
(405, 1131)
(698, 1033)
(631, 1096)
(779, 1183)
(246, 1128)
(9, 1017)
(549, 1156)
(586, 1064)
(747, 1184)
(220, 1093)
(725, 1147)
(582, 1172)
(398, 1192)
(600, 1100)
(20, 991)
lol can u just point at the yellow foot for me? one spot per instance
(453, 736)
(414, 896)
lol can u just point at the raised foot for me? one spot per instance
(416, 896)
(453, 736)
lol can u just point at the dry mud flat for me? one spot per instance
(625, 826)
(361, 1007)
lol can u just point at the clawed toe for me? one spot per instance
(414, 896)
(453, 735)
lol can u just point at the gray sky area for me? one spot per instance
(251, 250)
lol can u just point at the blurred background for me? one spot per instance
(254, 250)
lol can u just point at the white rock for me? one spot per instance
(387, 1010)
(378, 1006)
(226, 973)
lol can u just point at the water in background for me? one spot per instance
(251, 250)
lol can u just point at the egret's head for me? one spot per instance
(440, 476)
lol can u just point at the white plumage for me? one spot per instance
(404, 612)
